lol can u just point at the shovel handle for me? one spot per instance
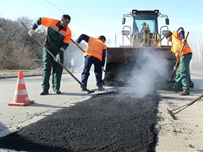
(59, 62)
(78, 46)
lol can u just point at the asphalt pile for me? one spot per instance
(104, 123)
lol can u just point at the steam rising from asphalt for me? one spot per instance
(75, 53)
(150, 67)
(153, 68)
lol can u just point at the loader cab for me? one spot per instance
(145, 19)
(148, 17)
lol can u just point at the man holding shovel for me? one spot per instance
(57, 40)
(183, 53)
(94, 54)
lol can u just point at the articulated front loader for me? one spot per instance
(144, 52)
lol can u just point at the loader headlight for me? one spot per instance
(156, 11)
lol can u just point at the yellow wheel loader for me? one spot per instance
(142, 57)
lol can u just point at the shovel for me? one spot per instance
(172, 114)
(59, 62)
(177, 62)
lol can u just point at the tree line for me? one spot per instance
(20, 51)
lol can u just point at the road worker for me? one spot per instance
(177, 38)
(95, 54)
(57, 40)
(143, 26)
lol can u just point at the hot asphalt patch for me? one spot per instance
(105, 123)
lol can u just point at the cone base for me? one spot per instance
(24, 103)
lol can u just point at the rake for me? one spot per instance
(172, 114)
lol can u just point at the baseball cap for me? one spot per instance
(167, 34)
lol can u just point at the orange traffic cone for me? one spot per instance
(20, 96)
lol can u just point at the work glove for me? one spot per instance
(77, 44)
(31, 32)
(57, 58)
(184, 41)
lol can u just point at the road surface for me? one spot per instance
(184, 134)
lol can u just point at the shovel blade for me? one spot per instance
(91, 91)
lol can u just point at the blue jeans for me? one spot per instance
(89, 60)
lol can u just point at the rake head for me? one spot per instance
(172, 114)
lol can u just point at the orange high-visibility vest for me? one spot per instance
(95, 48)
(177, 45)
(51, 23)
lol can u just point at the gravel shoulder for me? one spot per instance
(186, 133)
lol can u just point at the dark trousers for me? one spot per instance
(89, 60)
(50, 64)
(183, 74)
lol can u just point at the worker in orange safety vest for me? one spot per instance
(57, 40)
(177, 38)
(94, 54)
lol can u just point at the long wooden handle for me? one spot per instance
(78, 46)
(193, 101)
(59, 62)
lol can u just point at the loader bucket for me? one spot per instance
(124, 64)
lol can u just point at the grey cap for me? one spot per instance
(168, 33)
(144, 23)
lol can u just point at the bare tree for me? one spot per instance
(17, 48)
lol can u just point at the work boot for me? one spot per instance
(101, 88)
(184, 93)
(83, 89)
(44, 92)
(58, 91)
